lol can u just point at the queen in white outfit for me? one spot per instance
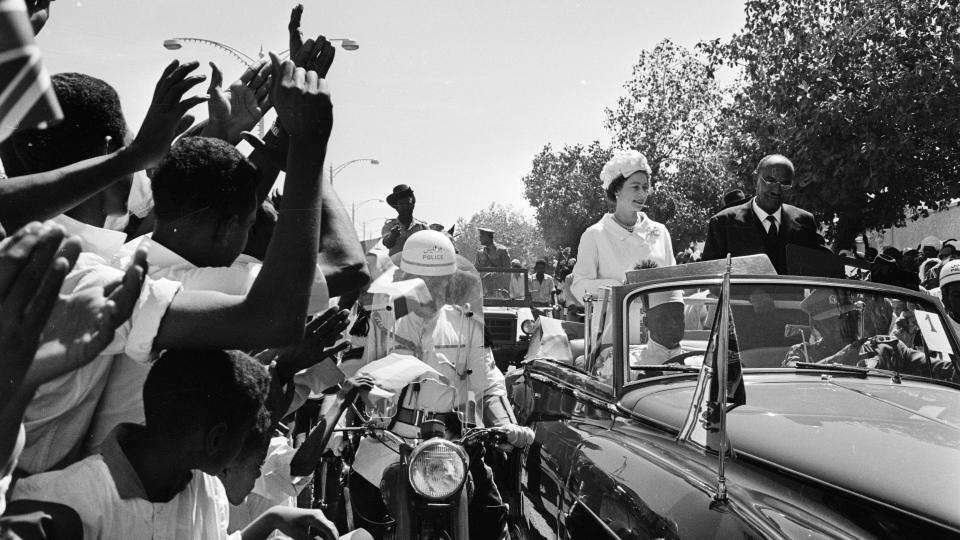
(623, 239)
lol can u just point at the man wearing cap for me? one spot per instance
(763, 224)
(840, 322)
(734, 197)
(518, 290)
(396, 231)
(930, 247)
(664, 320)
(491, 254)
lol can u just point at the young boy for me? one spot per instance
(158, 480)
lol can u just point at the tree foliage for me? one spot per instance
(519, 233)
(862, 95)
(564, 188)
(671, 113)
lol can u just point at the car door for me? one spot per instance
(566, 406)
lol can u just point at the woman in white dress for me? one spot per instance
(622, 239)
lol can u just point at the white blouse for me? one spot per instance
(607, 251)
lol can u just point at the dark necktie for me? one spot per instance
(771, 240)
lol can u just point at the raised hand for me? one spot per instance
(320, 333)
(166, 116)
(302, 101)
(314, 54)
(31, 273)
(83, 323)
(240, 107)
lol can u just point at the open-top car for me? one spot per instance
(845, 423)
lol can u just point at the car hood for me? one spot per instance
(895, 443)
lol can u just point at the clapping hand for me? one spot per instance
(166, 116)
(82, 324)
(31, 273)
(240, 107)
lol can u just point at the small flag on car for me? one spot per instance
(726, 390)
(27, 99)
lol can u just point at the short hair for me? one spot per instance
(201, 173)
(784, 160)
(199, 388)
(540, 261)
(91, 112)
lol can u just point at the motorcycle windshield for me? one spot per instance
(427, 335)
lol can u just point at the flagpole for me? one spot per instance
(722, 369)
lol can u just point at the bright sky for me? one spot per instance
(453, 98)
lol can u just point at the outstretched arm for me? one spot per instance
(273, 311)
(342, 260)
(47, 194)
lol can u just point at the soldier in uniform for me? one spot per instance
(493, 255)
(839, 321)
(396, 231)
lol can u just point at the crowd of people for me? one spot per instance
(152, 323)
(136, 269)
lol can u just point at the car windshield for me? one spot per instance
(792, 325)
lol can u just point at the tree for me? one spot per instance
(519, 233)
(670, 113)
(564, 188)
(862, 95)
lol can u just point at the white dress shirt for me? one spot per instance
(762, 216)
(58, 417)
(112, 502)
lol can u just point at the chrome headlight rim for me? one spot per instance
(429, 445)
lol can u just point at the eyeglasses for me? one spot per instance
(770, 181)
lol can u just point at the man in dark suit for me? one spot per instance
(763, 224)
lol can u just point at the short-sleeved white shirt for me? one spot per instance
(58, 417)
(122, 400)
(112, 503)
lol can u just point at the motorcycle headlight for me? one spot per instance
(438, 468)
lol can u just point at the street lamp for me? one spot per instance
(335, 170)
(353, 209)
(174, 44)
(378, 218)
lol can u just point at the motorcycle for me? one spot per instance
(414, 454)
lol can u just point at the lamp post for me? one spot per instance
(336, 170)
(353, 209)
(364, 237)
(177, 43)
(174, 44)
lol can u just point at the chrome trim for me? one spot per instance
(423, 447)
(576, 392)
